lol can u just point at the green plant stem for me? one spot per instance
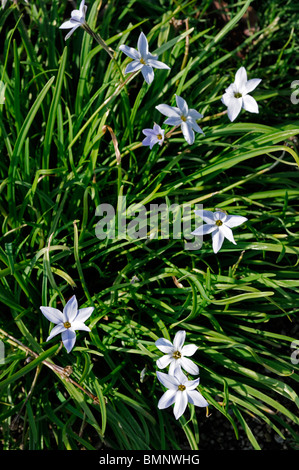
(63, 372)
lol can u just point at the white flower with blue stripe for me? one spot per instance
(142, 59)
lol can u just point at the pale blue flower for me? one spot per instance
(236, 95)
(175, 354)
(68, 321)
(77, 20)
(142, 59)
(181, 391)
(182, 116)
(153, 136)
(219, 224)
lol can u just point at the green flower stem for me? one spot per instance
(102, 43)
(63, 372)
(99, 40)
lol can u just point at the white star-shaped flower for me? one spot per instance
(236, 95)
(219, 225)
(68, 321)
(153, 136)
(142, 59)
(77, 20)
(175, 354)
(182, 116)
(181, 391)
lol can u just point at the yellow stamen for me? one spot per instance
(219, 223)
(67, 324)
(177, 355)
(181, 388)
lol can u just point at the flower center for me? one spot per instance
(159, 136)
(67, 324)
(142, 61)
(238, 95)
(177, 355)
(183, 118)
(181, 388)
(218, 223)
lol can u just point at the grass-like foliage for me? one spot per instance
(71, 140)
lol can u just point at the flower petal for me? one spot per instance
(82, 8)
(142, 45)
(241, 79)
(189, 366)
(179, 340)
(164, 345)
(130, 52)
(188, 133)
(76, 16)
(157, 130)
(173, 121)
(167, 399)
(226, 98)
(69, 24)
(148, 74)
(157, 64)
(151, 57)
(204, 229)
(181, 402)
(55, 331)
(164, 361)
(207, 216)
(219, 215)
(196, 398)
(217, 240)
(189, 349)
(52, 314)
(226, 231)
(174, 365)
(134, 66)
(191, 384)
(170, 111)
(249, 104)
(79, 325)
(149, 141)
(182, 105)
(70, 310)
(194, 114)
(179, 374)
(71, 32)
(84, 313)
(167, 380)
(193, 124)
(251, 85)
(234, 220)
(68, 338)
(229, 93)
(234, 107)
(149, 132)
